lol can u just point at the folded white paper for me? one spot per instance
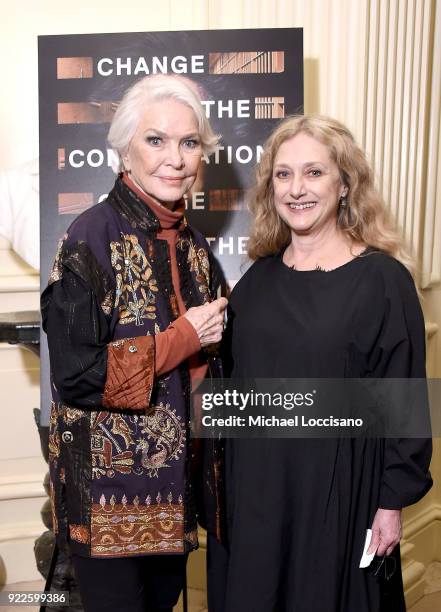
(366, 559)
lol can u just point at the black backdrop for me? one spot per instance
(248, 80)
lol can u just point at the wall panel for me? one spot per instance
(431, 239)
(400, 43)
(190, 15)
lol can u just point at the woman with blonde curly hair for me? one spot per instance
(329, 295)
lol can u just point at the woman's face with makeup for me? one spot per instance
(307, 184)
(165, 152)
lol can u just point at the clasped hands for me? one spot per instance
(208, 321)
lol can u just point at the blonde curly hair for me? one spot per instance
(365, 219)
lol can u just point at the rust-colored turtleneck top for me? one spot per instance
(180, 340)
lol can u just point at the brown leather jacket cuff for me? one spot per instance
(130, 372)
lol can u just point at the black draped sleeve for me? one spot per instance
(400, 353)
(78, 333)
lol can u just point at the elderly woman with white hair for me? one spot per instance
(128, 311)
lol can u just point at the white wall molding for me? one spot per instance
(431, 251)
(17, 558)
(431, 329)
(22, 487)
(413, 580)
(418, 549)
(22, 496)
(423, 520)
(21, 531)
(398, 94)
(19, 284)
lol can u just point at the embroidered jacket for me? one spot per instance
(121, 461)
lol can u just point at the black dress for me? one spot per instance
(298, 509)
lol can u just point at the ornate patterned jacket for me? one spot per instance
(121, 460)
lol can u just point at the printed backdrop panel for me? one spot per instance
(248, 80)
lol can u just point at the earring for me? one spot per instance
(344, 212)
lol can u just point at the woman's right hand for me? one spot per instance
(208, 321)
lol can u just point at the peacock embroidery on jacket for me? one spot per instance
(140, 444)
(135, 296)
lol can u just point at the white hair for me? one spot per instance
(151, 89)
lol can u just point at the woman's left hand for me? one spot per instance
(386, 532)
